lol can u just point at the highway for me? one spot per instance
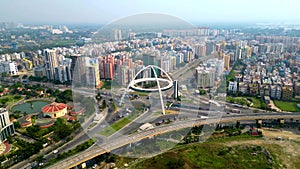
(124, 140)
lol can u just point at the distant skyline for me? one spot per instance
(193, 11)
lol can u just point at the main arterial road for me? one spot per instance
(124, 140)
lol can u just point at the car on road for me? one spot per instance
(94, 166)
(236, 111)
(237, 105)
(55, 151)
(202, 108)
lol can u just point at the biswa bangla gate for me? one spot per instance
(133, 84)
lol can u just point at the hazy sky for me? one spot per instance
(195, 11)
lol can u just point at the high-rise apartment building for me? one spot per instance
(6, 127)
(125, 75)
(200, 50)
(51, 63)
(10, 68)
(117, 34)
(205, 77)
(92, 73)
(107, 67)
(79, 71)
(287, 92)
(226, 61)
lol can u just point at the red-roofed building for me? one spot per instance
(55, 110)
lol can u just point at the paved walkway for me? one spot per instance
(5, 147)
(274, 107)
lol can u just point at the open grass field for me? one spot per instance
(287, 106)
(210, 155)
(233, 152)
(242, 100)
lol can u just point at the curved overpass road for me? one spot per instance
(119, 142)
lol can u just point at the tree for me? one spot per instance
(40, 88)
(40, 159)
(20, 67)
(56, 92)
(237, 125)
(99, 97)
(34, 131)
(113, 106)
(104, 105)
(17, 125)
(61, 129)
(49, 91)
(111, 159)
(2, 158)
(65, 96)
(202, 92)
(4, 74)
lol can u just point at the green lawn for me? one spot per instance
(140, 93)
(287, 106)
(5, 100)
(256, 102)
(107, 131)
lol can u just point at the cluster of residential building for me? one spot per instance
(276, 76)
(121, 66)
(91, 64)
(121, 58)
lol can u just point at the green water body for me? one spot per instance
(30, 107)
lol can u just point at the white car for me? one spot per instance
(55, 151)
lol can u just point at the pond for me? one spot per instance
(30, 107)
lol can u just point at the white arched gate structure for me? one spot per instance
(159, 89)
